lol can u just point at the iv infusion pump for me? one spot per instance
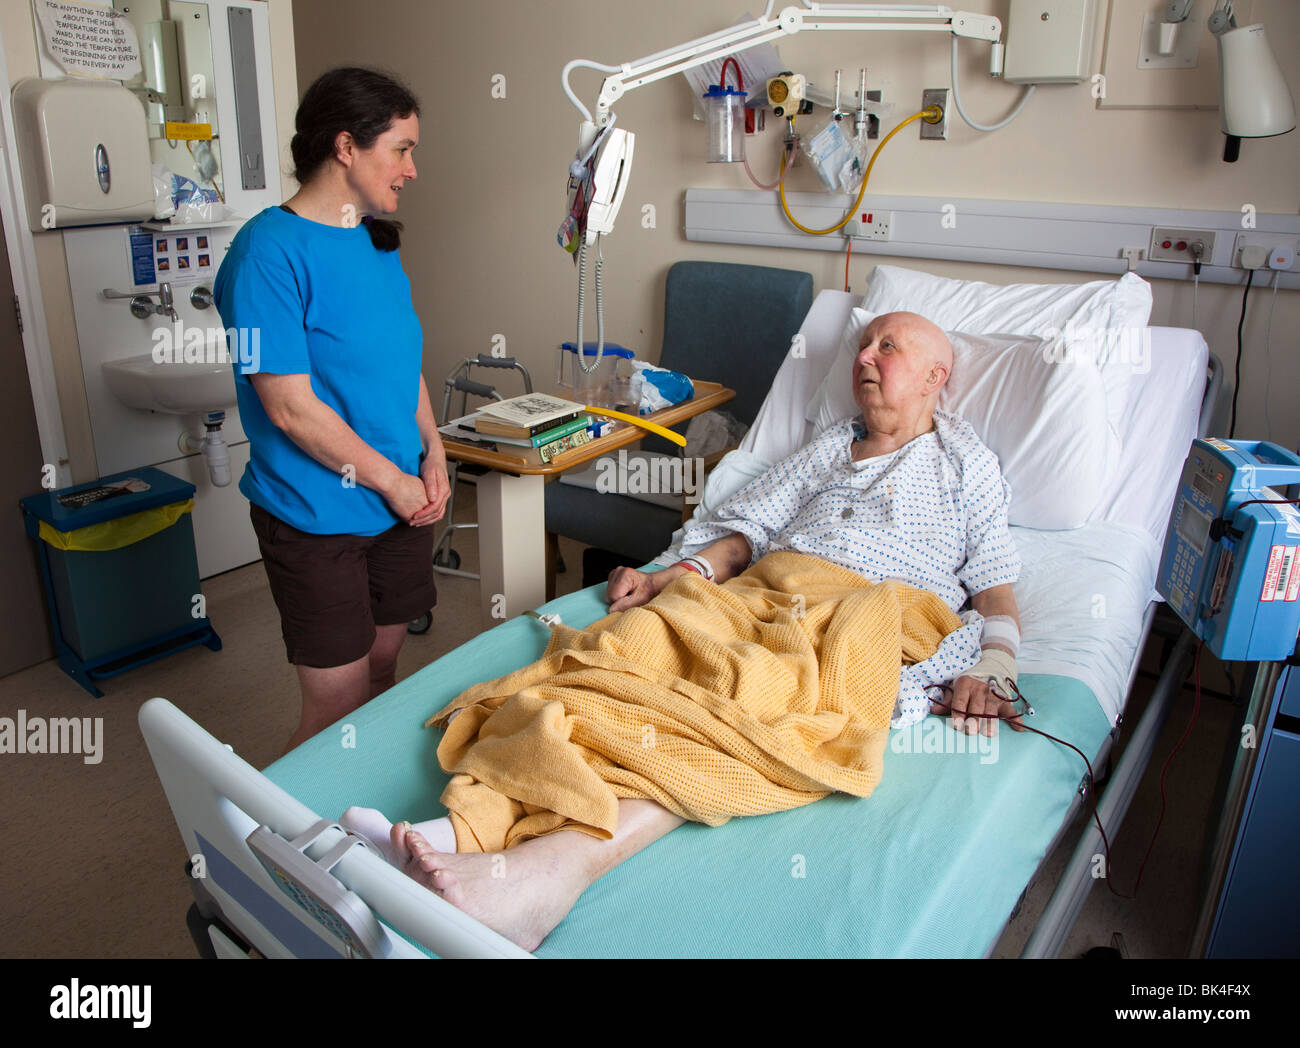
(1231, 563)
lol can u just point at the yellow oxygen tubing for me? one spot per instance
(931, 114)
(653, 427)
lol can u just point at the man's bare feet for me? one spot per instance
(525, 892)
(521, 894)
(371, 824)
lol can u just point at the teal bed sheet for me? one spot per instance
(930, 865)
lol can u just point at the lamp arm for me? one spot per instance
(791, 20)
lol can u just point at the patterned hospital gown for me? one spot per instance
(932, 514)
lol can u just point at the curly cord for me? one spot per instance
(600, 313)
(582, 291)
(582, 302)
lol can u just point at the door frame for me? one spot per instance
(27, 287)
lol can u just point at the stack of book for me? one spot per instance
(536, 428)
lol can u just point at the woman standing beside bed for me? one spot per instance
(346, 467)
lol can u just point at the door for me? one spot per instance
(25, 638)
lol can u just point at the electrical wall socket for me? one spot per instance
(1267, 243)
(1253, 257)
(870, 225)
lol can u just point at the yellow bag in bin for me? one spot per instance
(115, 534)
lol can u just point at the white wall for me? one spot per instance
(481, 221)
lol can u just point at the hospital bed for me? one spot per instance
(932, 864)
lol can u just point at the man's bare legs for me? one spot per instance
(330, 694)
(525, 892)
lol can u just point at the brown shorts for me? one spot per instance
(333, 590)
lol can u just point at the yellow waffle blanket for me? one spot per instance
(763, 694)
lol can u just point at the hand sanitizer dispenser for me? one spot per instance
(84, 148)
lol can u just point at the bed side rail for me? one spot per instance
(1077, 878)
(216, 795)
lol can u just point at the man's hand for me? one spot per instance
(975, 707)
(437, 490)
(629, 588)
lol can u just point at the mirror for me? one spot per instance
(176, 87)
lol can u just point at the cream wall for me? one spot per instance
(20, 43)
(480, 243)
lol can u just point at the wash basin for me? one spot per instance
(181, 387)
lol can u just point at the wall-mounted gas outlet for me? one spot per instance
(935, 96)
(870, 225)
(1180, 245)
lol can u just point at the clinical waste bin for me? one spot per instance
(120, 570)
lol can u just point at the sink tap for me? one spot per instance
(142, 305)
(165, 305)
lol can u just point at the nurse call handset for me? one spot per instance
(598, 180)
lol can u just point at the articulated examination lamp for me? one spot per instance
(597, 133)
(598, 174)
(1254, 99)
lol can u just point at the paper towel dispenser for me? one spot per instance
(84, 149)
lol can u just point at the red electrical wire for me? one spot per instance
(1196, 708)
(1267, 502)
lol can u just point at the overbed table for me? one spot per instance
(512, 507)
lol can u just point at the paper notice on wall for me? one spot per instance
(88, 39)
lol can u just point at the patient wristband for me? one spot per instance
(1001, 629)
(698, 565)
(997, 668)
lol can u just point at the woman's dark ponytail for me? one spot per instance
(385, 234)
(362, 102)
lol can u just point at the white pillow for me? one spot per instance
(1104, 319)
(1025, 309)
(1046, 422)
(834, 397)
(1044, 419)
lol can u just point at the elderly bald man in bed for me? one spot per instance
(907, 493)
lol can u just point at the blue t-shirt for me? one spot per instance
(306, 298)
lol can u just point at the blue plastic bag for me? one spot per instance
(661, 388)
